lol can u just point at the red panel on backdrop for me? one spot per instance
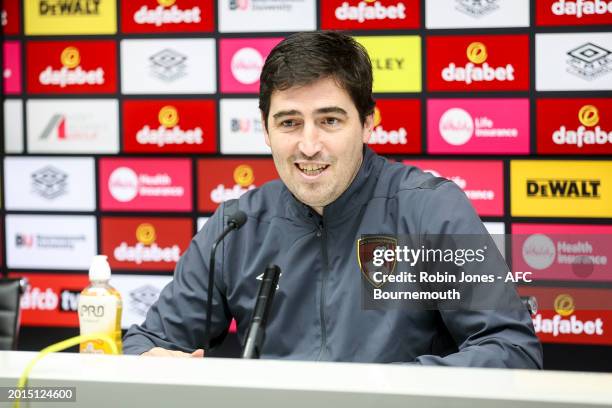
(61, 67)
(573, 12)
(10, 17)
(167, 16)
(368, 15)
(397, 126)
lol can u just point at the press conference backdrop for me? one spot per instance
(126, 123)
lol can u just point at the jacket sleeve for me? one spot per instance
(177, 320)
(503, 337)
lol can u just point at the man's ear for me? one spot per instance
(368, 126)
(265, 128)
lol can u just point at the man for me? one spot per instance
(317, 109)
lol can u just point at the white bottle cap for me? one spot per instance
(99, 269)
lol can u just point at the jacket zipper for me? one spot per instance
(323, 237)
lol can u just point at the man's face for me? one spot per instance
(316, 139)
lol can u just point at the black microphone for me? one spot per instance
(257, 330)
(234, 222)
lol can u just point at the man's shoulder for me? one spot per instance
(399, 179)
(264, 202)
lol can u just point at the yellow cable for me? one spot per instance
(62, 345)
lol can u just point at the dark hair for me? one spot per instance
(303, 58)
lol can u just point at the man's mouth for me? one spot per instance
(311, 169)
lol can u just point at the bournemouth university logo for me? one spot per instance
(370, 10)
(71, 72)
(244, 177)
(167, 12)
(587, 134)
(169, 132)
(589, 61)
(477, 8)
(49, 182)
(168, 65)
(366, 246)
(477, 70)
(381, 137)
(239, 4)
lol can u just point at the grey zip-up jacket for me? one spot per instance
(317, 312)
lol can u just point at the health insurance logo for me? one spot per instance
(587, 134)
(589, 61)
(477, 8)
(168, 65)
(169, 132)
(71, 72)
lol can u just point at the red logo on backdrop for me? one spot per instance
(397, 126)
(51, 299)
(71, 66)
(483, 63)
(225, 179)
(573, 12)
(369, 14)
(10, 17)
(482, 181)
(168, 16)
(572, 315)
(145, 243)
(129, 184)
(574, 126)
(170, 126)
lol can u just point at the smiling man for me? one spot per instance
(317, 108)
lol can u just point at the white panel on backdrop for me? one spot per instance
(50, 241)
(476, 13)
(181, 66)
(202, 221)
(574, 62)
(138, 293)
(238, 16)
(241, 127)
(49, 183)
(72, 126)
(497, 231)
(13, 126)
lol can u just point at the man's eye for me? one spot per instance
(331, 121)
(288, 123)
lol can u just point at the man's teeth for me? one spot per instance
(311, 169)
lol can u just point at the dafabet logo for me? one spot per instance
(151, 16)
(397, 126)
(573, 12)
(369, 14)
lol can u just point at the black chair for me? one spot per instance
(10, 296)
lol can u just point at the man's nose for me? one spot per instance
(310, 143)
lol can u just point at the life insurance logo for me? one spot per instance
(169, 132)
(71, 72)
(457, 127)
(477, 8)
(246, 65)
(581, 8)
(477, 70)
(69, 7)
(565, 322)
(142, 298)
(126, 185)
(49, 182)
(146, 249)
(370, 10)
(167, 13)
(589, 61)
(380, 136)
(587, 134)
(168, 65)
(244, 177)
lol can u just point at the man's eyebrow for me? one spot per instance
(286, 113)
(332, 109)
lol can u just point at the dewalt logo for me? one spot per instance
(563, 188)
(57, 17)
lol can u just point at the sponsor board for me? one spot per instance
(145, 243)
(397, 126)
(50, 242)
(370, 14)
(67, 17)
(478, 126)
(51, 300)
(574, 62)
(11, 72)
(478, 63)
(10, 17)
(168, 66)
(13, 126)
(60, 67)
(224, 179)
(563, 252)
(573, 12)
(574, 126)
(241, 61)
(497, 231)
(169, 126)
(138, 294)
(167, 16)
(238, 16)
(202, 221)
(49, 183)
(555, 188)
(482, 181)
(476, 13)
(572, 315)
(396, 62)
(130, 184)
(241, 127)
(72, 126)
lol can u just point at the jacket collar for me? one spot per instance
(354, 197)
